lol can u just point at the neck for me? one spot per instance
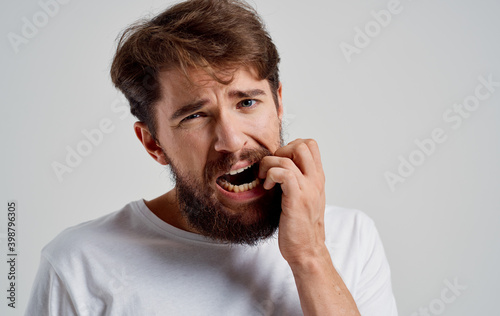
(166, 207)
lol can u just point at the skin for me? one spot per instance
(228, 123)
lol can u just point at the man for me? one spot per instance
(202, 78)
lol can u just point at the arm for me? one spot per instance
(298, 169)
(49, 295)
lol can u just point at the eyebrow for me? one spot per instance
(246, 94)
(195, 106)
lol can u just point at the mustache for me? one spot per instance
(225, 162)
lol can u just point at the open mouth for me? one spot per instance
(240, 180)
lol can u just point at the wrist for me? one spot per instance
(314, 261)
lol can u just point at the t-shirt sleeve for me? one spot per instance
(49, 295)
(374, 295)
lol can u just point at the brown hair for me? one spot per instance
(204, 34)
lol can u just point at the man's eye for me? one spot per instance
(191, 117)
(247, 103)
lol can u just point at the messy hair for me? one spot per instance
(196, 34)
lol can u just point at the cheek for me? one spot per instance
(188, 152)
(267, 130)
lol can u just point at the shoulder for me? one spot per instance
(347, 224)
(358, 254)
(352, 239)
(69, 245)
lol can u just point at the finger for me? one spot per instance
(269, 162)
(314, 148)
(286, 178)
(299, 151)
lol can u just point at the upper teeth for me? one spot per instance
(233, 172)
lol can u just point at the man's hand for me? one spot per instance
(297, 168)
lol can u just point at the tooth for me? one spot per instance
(233, 172)
(239, 188)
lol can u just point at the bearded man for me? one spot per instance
(245, 230)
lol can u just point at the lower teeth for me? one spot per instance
(239, 188)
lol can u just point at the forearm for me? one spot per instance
(321, 289)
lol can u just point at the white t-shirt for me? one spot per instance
(130, 262)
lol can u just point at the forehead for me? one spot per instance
(176, 88)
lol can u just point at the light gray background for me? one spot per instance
(440, 224)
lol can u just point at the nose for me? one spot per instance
(229, 135)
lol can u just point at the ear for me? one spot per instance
(280, 102)
(148, 141)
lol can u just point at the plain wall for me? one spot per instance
(399, 86)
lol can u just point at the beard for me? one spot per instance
(253, 221)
